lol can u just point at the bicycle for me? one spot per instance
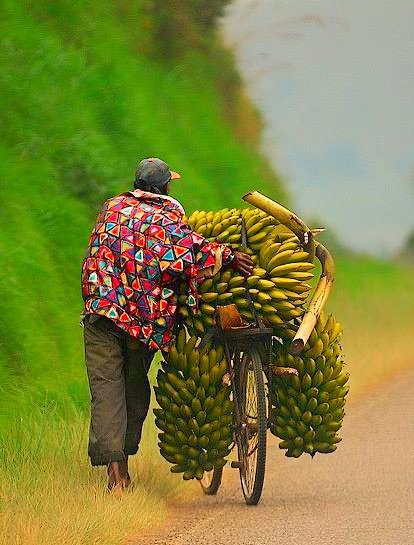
(248, 351)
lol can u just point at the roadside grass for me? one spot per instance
(374, 300)
(50, 495)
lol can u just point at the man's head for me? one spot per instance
(154, 175)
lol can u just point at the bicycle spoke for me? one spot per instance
(250, 411)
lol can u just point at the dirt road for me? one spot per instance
(362, 494)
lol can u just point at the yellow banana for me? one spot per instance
(295, 295)
(258, 237)
(282, 281)
(279, 258)
(288, 245)
(316, 350)
(313, 337)
(252, 281)
(263, 297)
(222, 237)
(209, 216)
(201, 230)
(299, 275)
(232, 229)
(236, 281)
(217, 218)
(268, 309)
(222, 287)
(238, 291)
(209, 227)
(290, 314)
(265, 285)
(258, 271)
(301, 287)
(302, 266)
(277, 294)
(282, 305)
(233, 239)
(225, 276)
(298, 256)
(204, 287)
(254, 228)
(224, 297)
(208, 297)
(337, 330)
(217, 229)
(251, 220)
(330, 323)
(325, 339)
(271, 248)
(273, 319)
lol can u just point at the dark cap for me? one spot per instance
(154, 172)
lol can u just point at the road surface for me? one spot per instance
(361, 494)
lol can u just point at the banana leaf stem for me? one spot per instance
(318, 300)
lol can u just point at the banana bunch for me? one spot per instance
(278, 285)
(224, 225)
(308, 409)
(195, 413)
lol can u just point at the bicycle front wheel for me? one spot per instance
(251, 437)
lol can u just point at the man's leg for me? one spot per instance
(137, 389)
(105, 367)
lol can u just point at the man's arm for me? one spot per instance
(201, 258)
(242, 262)
(225, 257)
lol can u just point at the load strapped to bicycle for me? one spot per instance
(254, 357)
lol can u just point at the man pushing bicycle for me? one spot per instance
(139, 251)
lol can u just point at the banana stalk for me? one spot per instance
(318, 300)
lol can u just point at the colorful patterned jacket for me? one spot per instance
(138, 253)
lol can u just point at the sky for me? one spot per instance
(334, 82)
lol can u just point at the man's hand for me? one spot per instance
(243, 263)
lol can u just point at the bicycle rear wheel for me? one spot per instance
(251, 437)
(211, 481)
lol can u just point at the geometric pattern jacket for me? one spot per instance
(139, 251)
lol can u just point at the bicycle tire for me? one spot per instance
(211, 481)
(252, 470)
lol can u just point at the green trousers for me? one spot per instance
(117, 367)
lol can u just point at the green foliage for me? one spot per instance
(177, 25)
(85, 95)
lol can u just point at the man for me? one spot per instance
(139, 251)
